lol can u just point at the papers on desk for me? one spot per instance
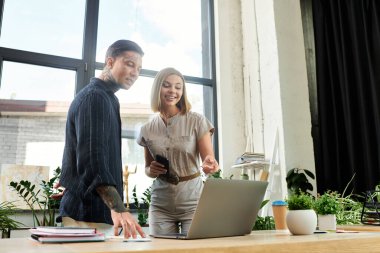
(137, 239)
(65, 238)
(63, 230)
(345, 231)
(60, 234)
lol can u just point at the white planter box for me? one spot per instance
(327, 222)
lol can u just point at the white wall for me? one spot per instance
(231, 110)
(269, 84)
(297, 139)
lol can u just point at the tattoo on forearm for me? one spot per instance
(111, 198)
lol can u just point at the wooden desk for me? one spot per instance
(258, 241)
(359, 227)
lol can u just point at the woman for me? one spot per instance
(180, 136)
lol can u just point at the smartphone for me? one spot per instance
(164, 162)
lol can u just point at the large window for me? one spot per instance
(22, 81)
(169, 31)
(43, 26)
(49, 50)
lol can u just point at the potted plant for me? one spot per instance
(301, 218)
(41, 199)
(142, 208)
(327, 206)
(6, 222)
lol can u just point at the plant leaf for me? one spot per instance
(310, 174)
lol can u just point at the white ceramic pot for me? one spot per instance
(301, 222)
(327, 222)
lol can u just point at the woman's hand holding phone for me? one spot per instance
(159, 167)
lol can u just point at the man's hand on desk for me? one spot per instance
(128, 223)
(120, 216)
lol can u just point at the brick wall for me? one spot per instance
(33, 133)
(16, 132)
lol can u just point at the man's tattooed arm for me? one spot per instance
(111, 198)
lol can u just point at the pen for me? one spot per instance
(121, 230)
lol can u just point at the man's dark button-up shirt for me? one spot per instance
(92, 154)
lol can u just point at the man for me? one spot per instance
(91, 165)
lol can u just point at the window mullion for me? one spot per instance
(89, 43)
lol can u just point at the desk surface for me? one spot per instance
(257, 241)
(360, 228)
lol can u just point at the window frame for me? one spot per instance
(85, 67)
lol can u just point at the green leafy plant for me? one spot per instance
(352, 206)
(7, 209)
(328, 203)
(40, 200)
(377, 192)
(301, 201)
(351, 211)
(217, 174)
(298, 181)
(142, 208)
(264, 223)
(244, 176)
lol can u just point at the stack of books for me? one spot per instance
(65, 234)
(248, 157)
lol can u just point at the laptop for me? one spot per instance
(226, 208)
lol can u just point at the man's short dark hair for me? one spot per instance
(120, 46)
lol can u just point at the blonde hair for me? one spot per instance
(155, 100)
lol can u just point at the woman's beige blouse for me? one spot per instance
(177, 141)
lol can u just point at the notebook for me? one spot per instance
(225, 208)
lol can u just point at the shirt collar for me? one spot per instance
(108, 85)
